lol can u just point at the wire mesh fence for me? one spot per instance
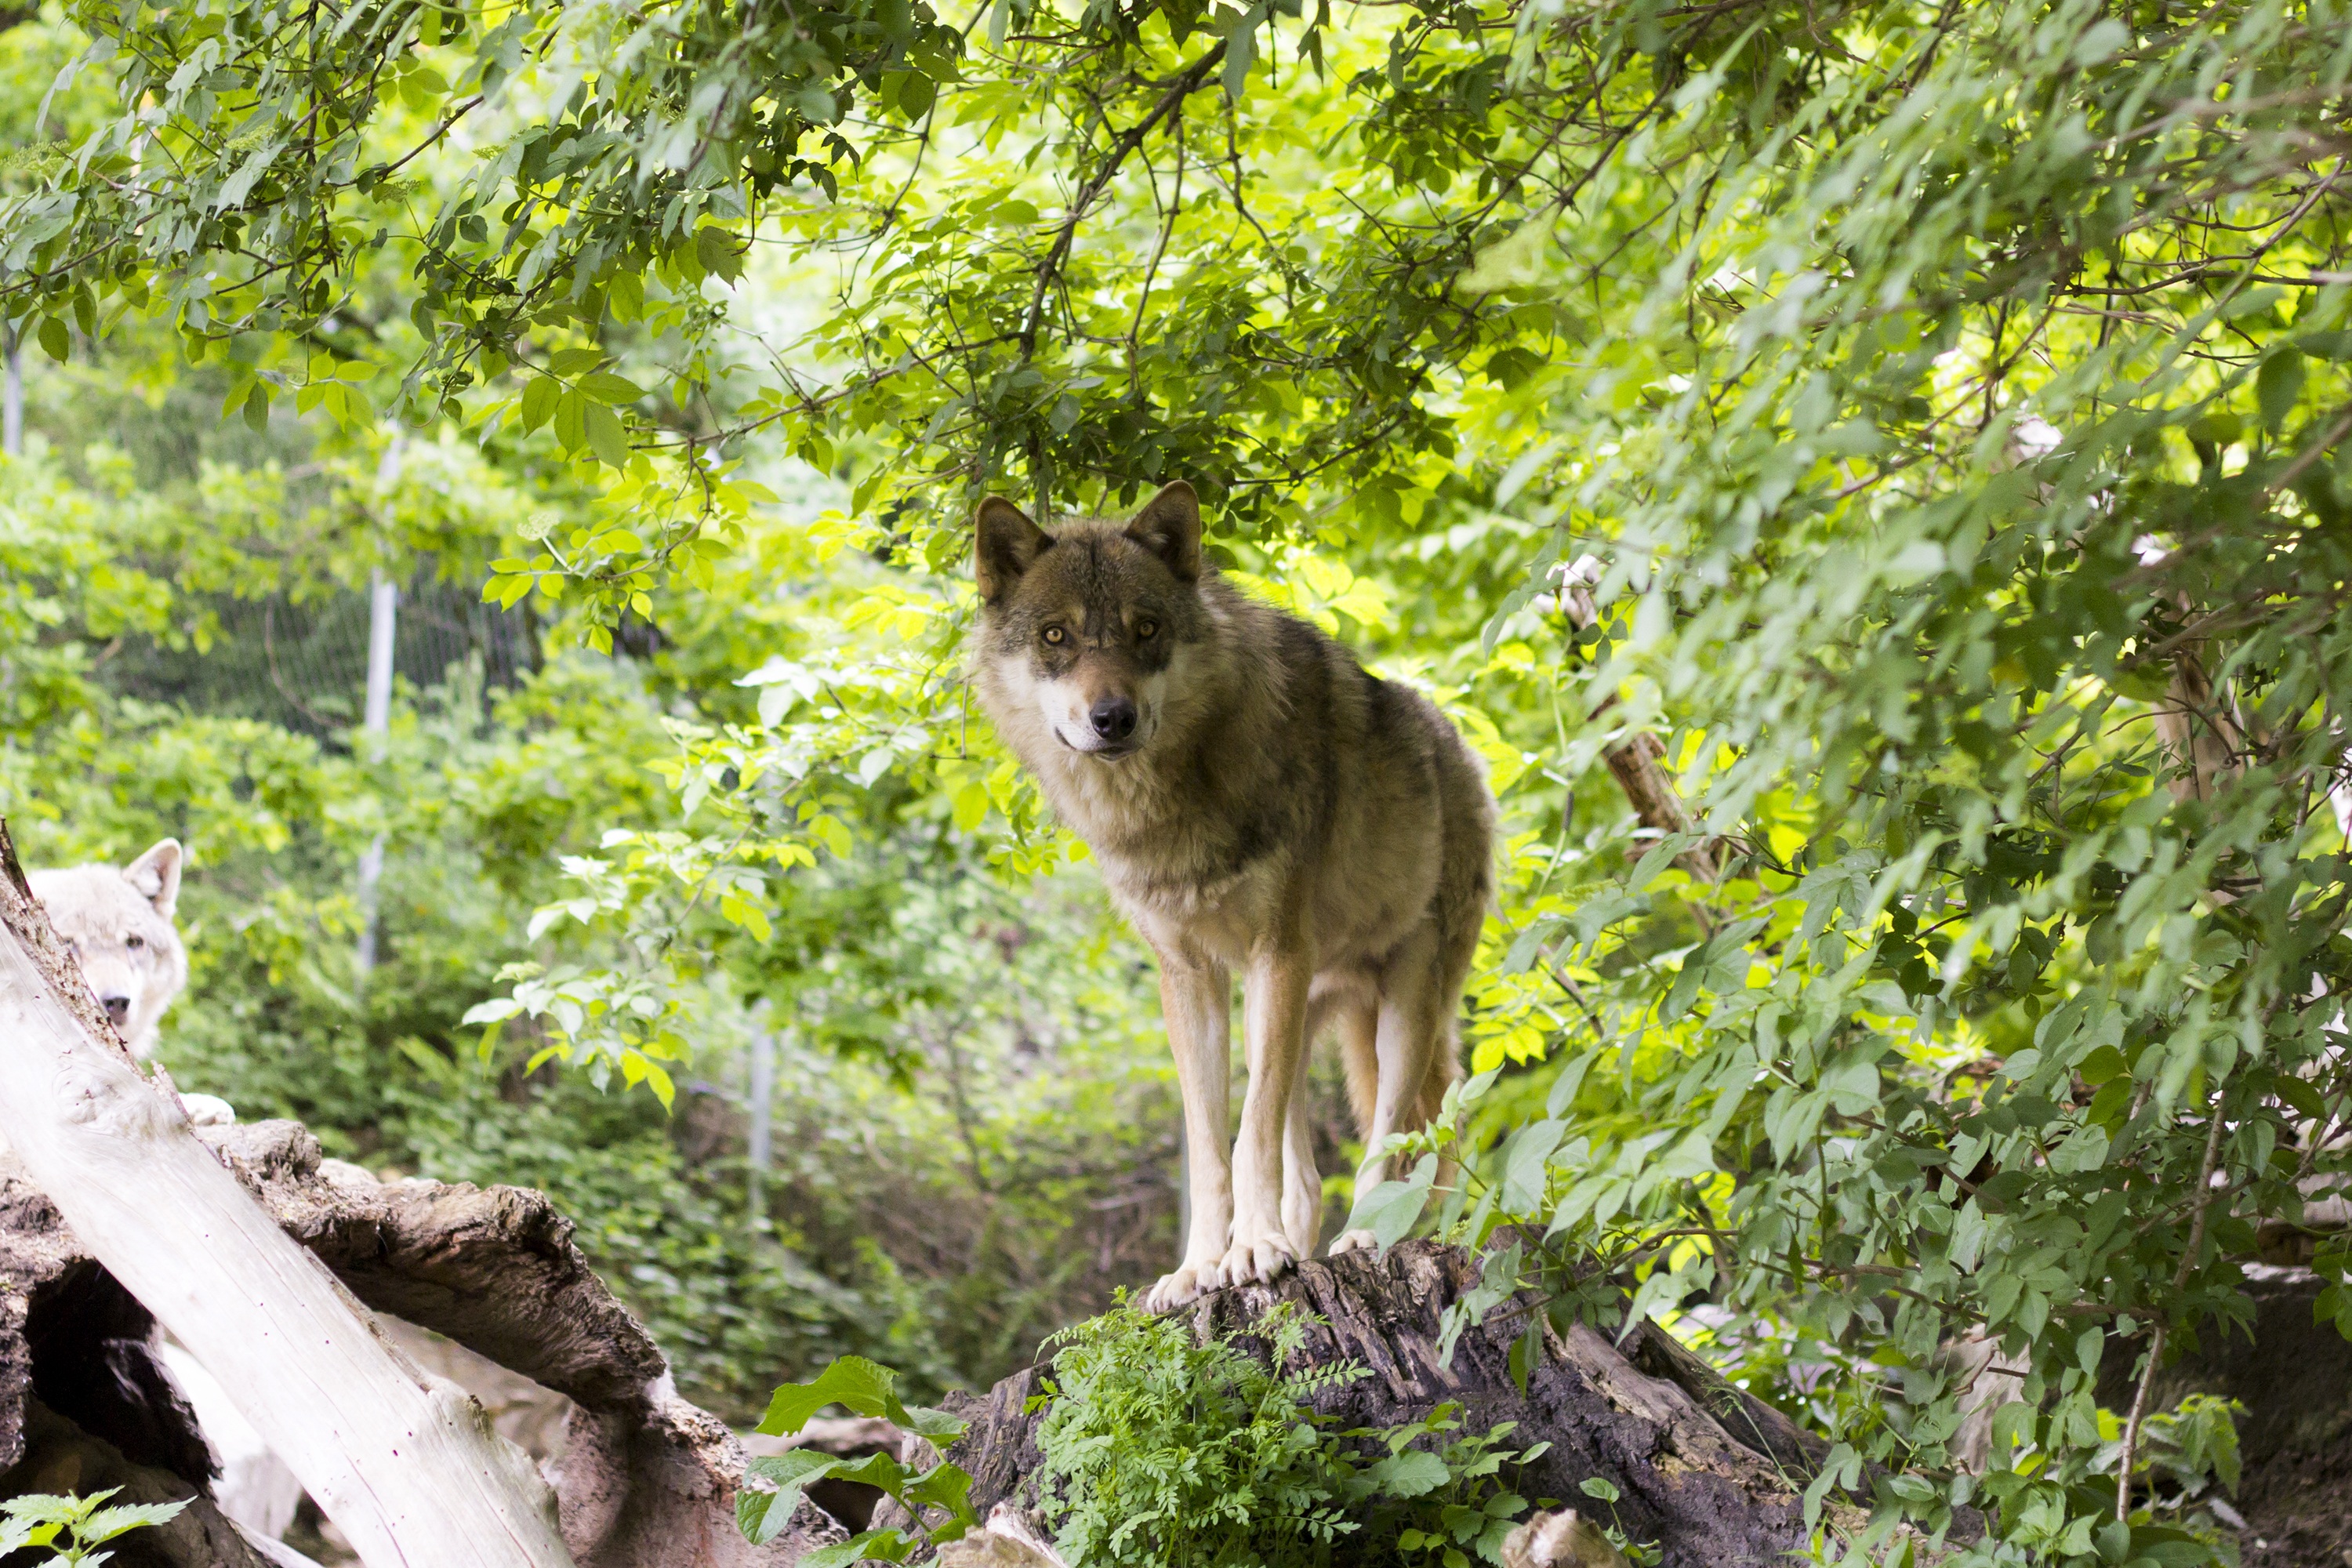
(302, 664)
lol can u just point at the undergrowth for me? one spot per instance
(1161, 1451)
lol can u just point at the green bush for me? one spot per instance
(1164, 1451)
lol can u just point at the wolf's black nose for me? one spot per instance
(117, 1008)
(1113, 718)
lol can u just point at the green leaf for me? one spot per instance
(1413, 1473)
(915, 95)
(1525, 1164)
(2217, 429)
(606, 387)
(719, 251)
(927, 1422)
(852, 1382)
(606, 436)
(1392, 1208)
(571, 420)
(943, 1486)
(539, 395)
(881, 1545)
(54, 339)
(1853, 1087)
(762, 1516)
(2278, 385)
(109, 1522)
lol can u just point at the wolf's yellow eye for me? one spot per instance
(1146, 630)
(1054, 635)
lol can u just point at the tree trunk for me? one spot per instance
(1711, 1475)
(411, 1475)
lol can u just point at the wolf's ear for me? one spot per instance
(1005, 542)
(1170, 527)
(156, 875)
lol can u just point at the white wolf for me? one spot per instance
(118, 921)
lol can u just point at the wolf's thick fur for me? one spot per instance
(117, 920)
(1257, 802)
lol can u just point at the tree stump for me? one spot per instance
(1712, 1475)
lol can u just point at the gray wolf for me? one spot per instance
(118, 921)
(1259, 803)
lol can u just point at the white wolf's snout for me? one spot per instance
(112, 983)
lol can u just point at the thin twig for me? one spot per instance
(2156, 1342)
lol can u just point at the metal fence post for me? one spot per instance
(383, 616)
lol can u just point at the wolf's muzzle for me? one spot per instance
(1113, 718)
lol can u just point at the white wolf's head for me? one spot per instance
(117, 920)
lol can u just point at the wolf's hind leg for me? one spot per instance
(1359, 1028)
(1445, 1072)
(1411, 1025)
(1196, 1000)
(1348, 1010)
(1360, 1054)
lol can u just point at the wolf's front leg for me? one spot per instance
(1274, 1020)
(1302, 1183)
(1195, 999)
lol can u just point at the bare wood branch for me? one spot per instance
(1182, 85)
(1638, 761)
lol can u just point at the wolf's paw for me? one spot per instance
(1357, 1240)
(1258, 1261)
(208, 1110)
(1188, 1283)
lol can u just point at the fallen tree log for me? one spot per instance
(1712, 1475)
(644, 1479)
(411, 1473)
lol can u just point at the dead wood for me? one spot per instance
(1638, 761)
(1712, 1475)
(407, 1470)
(644, 1480)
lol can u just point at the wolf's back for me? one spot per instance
(1372, 767)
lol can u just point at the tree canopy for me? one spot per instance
(1951, 401)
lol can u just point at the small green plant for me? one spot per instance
(1161, 1451)
(84, 1523)
(1641, 1555)
(868, 1389)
